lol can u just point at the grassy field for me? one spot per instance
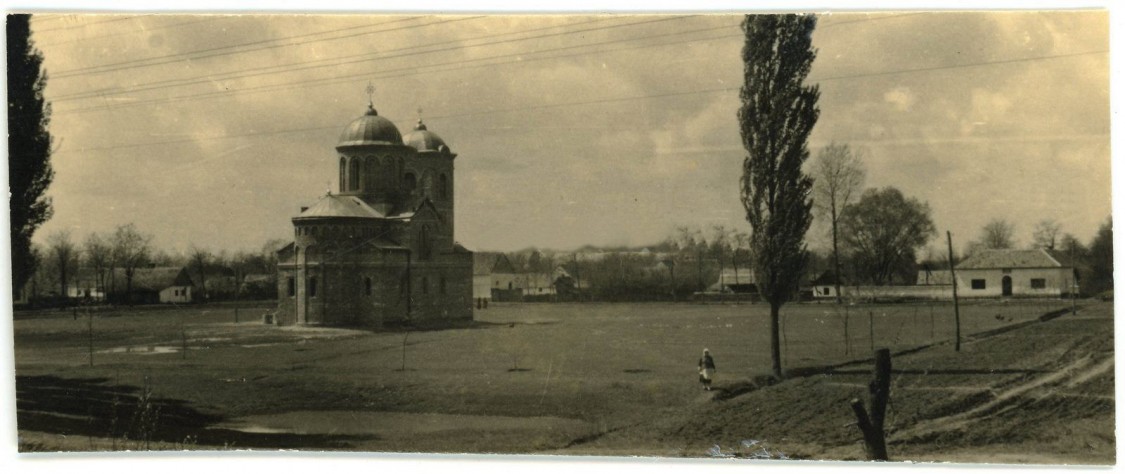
(523, 378)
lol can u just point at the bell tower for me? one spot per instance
(432, 170)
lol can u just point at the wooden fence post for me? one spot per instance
(874, 436)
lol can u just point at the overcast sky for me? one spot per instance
(570, 130)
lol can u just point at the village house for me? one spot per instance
(1003, 273)
(495, 278)
(151, 285)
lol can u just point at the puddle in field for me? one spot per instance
(263, 344)
(143, 350)
(394, 424)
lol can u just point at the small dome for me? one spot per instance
(424, 140)
(370, 129)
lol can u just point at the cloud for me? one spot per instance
(972, 141)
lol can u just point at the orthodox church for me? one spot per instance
(381, 250)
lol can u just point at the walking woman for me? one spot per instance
(706, 369)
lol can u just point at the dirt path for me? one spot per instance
(1038, 388)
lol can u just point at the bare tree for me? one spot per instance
(997, 234)
(740, 253)
(63, 254)
(99, 254)
(691, 243)
(199, 258)
(839, 173)
(1046, 234)
(720, 248)
(131, 250)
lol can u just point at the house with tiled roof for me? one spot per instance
(1007, 272)
(496, 278)
(151, 285)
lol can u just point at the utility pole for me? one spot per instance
(956, 306)
(409, 281)
(1073, 284)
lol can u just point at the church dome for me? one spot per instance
(370, 129)
(424, 140)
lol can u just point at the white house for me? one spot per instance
(157, 285)
(999, 273)
(494, 277)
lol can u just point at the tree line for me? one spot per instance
(110, 262)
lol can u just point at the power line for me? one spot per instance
(284, 68)
(92, 23)
(111, 67)
(209, 80)
(961, 66)
(68, 73)
(865, 20)
(519, 58)
(417, 70)
(598, 101)
(280, 68)
(141, 30)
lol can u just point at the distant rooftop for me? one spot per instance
(1008, 258)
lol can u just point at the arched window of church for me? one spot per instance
(343, 174)
(428, 184)
(443, 187)
(425, 245)
(410, 182)
(373, 169)
(367, 286)
(425, 286)
(441, 284)
(392, 172)
(353, 175)
(312, 287)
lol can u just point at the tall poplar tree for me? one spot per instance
(778, 112)
(29, 146)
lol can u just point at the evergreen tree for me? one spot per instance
(29, 146)
(778, 112)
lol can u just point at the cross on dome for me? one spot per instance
(370, 89)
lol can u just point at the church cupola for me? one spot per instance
(371, 158)
(425, 141)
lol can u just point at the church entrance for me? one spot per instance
(1006, 286)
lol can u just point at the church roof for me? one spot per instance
(424, 140)
(1007, 258)
(370, 129)
(334, 205)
